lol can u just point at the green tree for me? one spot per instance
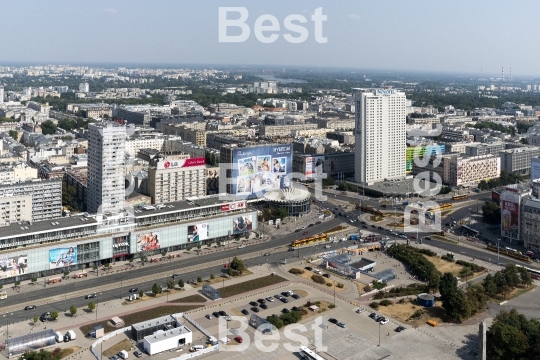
(483, 185)
(506, 338)
(156, 289)
(490, 286)
(73, 310)
(212, 277)
(281, 212)
(68, 196)
(35, 319)
(199, 279)
(54, 315)
(181, 283)
(525, 276)
(275, 320)
(524, 141)
(237, 265)
(13, 134)
(457, 307)
(491, 212)
(42, 355)
(141, 293)
(48, 127)
(170, 284)
(91, 306)
(448, 286)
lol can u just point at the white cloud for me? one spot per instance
(110, 11)
(354, 16)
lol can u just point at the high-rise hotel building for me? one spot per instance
(380, 135)
(106, 172)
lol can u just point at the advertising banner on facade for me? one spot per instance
(510, 214)
(233, 206)
(197, 232)
(242, 224)
(62, 257)
(181, 163)
(148, 242)
(314, 166)
(13, 265)
(260, 169)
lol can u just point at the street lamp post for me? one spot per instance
(379, 334)
(498, 255)
(334, 293)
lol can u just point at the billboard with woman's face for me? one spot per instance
(148, 242)
(198, 232)
(62, 257)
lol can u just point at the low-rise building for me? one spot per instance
(518, 160)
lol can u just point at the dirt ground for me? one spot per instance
(115, 349)
(307, 275)
(445, 266)
(302, 293)
(68, 351)
(403, 312)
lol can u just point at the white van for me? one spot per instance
(123, 354)
(317, 271)
(196, 348)
(59, 337)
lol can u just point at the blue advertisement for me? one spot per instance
(260, 169)
(61, 257)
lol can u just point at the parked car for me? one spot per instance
(238, 339)
(295, 296)
(174, 276)
(295, 308)
(137, 353)
(285, 311)
(30, 307)
(261, 301)
(308, 268)
(318, 223)
(222, 313)
(269, 298)
(277, 297)
(245, 312)
(297, 230)
(361, 310)
(305, 232)
(255, 309)
(90, 296)
(253, 303)
(284, 300)
(285, 293)
(208, 316)
(133, 290)
(310, 225)
(341, 325)
(266, 254)
(400, 328)
(384, 321)
(263, 306)
(326, 275)
(333, 321)
(216, 314)
(373, 315)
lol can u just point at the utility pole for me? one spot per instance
(334, 292)
(379, 334)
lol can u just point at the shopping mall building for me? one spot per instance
(49, 248)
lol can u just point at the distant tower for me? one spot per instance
(503, 73)
(1, 94)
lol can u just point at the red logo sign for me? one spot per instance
(233, 206)
(167, 165)
(194, 162)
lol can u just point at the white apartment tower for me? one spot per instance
(84, 87)
(106, 178)
(1, 94)
(380, 135)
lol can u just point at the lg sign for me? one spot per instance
(267, 26)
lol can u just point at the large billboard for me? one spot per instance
(13, 265)
(314, 166)
(62, 257)
(242, 224)
(510, 214)
(260, 169)
(191, 163)
(147, 242)
(198, 232)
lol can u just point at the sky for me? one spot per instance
(463, 36)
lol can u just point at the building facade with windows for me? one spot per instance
(380, 135)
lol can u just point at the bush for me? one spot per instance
(418, 313)
(328, 284)
(318, 279)
(374, 305)
(401, 301)
(296, 271)
(422, 267)
(385, 302)
(212, 277)
(331, 306)
(340, 285)
(447, 258)
(472, 266)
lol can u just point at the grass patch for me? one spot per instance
(115, 349)
(250, 285)
(444, 266)
(443, 238)
(412, 314)
(68, 351)
(336, 229)
(302, 293)
(190, 299)
(518, 291)
(137, 317)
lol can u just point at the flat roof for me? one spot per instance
(154, 322)
(15, 229)
(162, 335)
(362, 263)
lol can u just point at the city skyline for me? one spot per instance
(458, 37)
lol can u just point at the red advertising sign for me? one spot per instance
(195, 162)
(233, 206)
(182, 163)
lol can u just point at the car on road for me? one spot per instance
(222, 313)
(373, 226)
(364, 226)
(295, 296)
(380, 228)
(245, 312)
(383, 205)
(305, 232)
(384, 321)
(428, 238)
(30, 307)
(341, 325)
(303, 228)
(269, 298)
(333, 321)
(361, 310)
(137, 353)
(297, 230)
(253, 303)
(238, 339)
(311, 225)
(326, 275)
(351, 220)
(285, 311)
(403, 236)
(216, 314)
(114, 357)
(255, 309)
(291, 249)
(174, 276)
(318, 223)
(266, 331)
(208, 316)
(400, 328)
(133, 290)
(242, 246)
(263, 306)
(90, 296)
(266, 254)
(284, 300)
(295, 308)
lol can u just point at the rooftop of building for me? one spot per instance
(29, 227)
(154, 322)
(164, 334)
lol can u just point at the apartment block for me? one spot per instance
(42, 197)
(484, 149)
(283, 130)
(518, 160)
(530, 224)
(468, 171)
